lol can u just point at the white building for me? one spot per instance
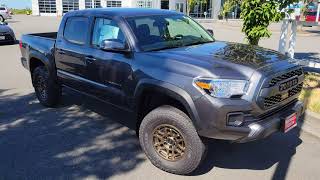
(59, 7)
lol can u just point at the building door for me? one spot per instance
(180, 7)
(164, 4)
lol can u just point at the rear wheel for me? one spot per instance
(170, 140)
(48, 91)
(1, 19)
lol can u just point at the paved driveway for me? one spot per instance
(83, 139)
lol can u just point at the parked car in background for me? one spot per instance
(4, 14)
(6, 34)
(311, 16)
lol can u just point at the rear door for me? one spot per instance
(72, 50)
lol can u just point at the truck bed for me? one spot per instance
(49, 35)
(39, 45)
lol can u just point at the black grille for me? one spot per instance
(276, 99)
(8, 37)
(285, 76)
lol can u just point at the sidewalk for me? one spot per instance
(311, 123)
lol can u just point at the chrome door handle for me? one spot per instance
(90, 59)
(61, 51)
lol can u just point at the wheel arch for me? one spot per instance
(36, 59)
(164, 90)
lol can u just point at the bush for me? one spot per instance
(310, 94)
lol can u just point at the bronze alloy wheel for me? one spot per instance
(168, 142)
(42, 88)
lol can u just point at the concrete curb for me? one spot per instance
(311, 123)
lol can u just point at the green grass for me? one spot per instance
(310, 94)
(21, 11)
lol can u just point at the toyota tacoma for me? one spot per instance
(177, 81)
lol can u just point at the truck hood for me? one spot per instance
(4, 29)
(224, 59)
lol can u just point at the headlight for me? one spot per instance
(222, 88)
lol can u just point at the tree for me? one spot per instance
(228, 6)
(257, 16)
(192, 3)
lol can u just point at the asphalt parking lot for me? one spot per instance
(77, 140)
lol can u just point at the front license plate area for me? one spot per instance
(289, 122)
(2, 37)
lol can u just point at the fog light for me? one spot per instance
(235, 119)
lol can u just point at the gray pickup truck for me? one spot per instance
(176, 80)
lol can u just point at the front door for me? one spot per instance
(111, 71)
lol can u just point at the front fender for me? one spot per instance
(172, 91)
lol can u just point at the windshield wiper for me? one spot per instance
(198, 42)
(164, 48)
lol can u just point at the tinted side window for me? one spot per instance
(106, 29)
(2, 9)
(76, 30)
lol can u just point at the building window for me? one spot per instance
(93, 4)
(47, 6)
(144, 3)
(70, 5)
(114, 4)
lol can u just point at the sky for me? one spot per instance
(18, 4)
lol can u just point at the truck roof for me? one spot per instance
(123, 12)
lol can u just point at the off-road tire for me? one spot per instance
(194, 147)
(48, 91)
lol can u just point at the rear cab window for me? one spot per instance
(76, 30)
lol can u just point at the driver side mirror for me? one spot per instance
(210, 31)
(113, 46)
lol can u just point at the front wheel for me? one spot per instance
(48, 91)
(1, 19)
(170, 140)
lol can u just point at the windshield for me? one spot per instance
(165, 32)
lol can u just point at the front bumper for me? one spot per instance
(212, 123)
(272, 124)
(9, 38)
